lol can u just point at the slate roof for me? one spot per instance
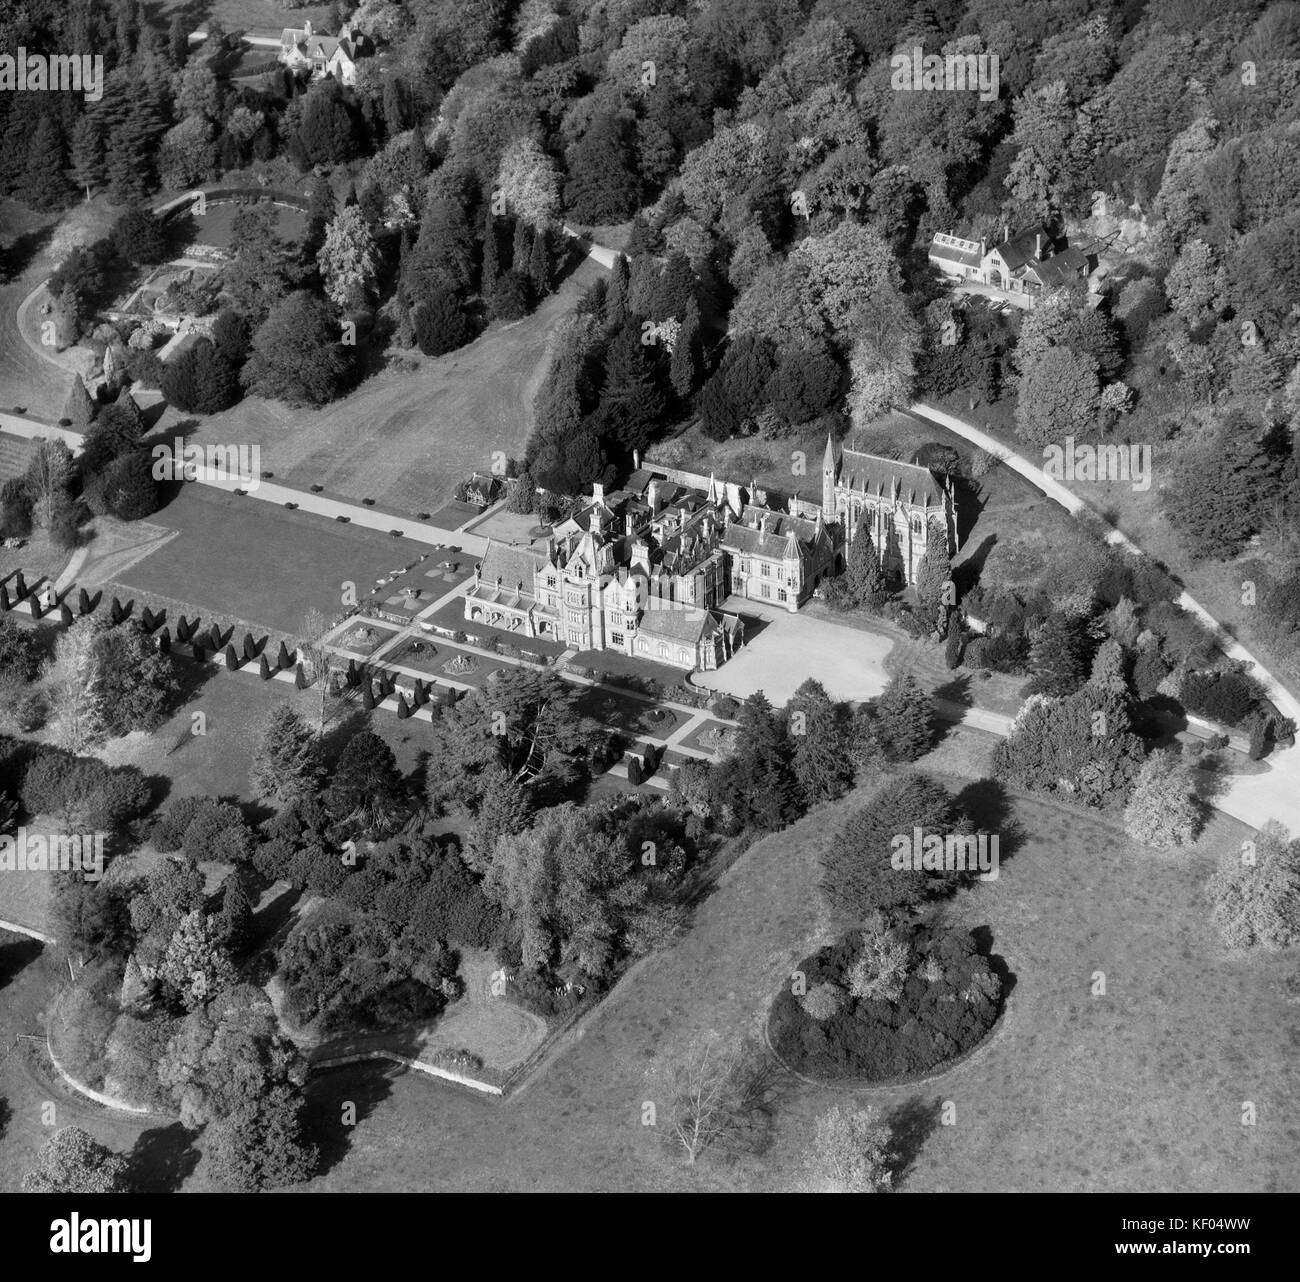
(684, 625)
(1022, 247)
(514, 565)
(762, 532)
(870, 474)
(1062, 268)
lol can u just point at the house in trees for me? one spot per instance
(904, 507)
(1017, 269)
(302, 49)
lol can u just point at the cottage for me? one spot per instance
(1018, 268)
(302, 49)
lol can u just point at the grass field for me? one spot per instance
(217, 226)
(405, 439)
(249, 15)
(245, 559)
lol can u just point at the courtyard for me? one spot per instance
(785, 650)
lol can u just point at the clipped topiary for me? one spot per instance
(263, 668)
(232, 659)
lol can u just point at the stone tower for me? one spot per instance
(828, 480)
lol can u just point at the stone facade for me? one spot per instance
(646, 570)
(904, 506)
(639, 571)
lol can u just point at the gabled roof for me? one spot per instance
(1061, 268)
(514, 565)
(672, 622)
(1022, 248)
(870, 474)
(760, 531)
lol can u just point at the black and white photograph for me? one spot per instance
(649, 597)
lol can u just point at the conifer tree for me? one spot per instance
(539, 263)
(287, 765)
(934, 584)
(1061, 656)
(683, 370)
(616, 293)
(820, 739)
(904, 719)
(864, 580)
(79, 409)
(490, 269)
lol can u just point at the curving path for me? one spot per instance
(1253, 799)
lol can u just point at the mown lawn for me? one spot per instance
(244, 559)
(1140, 1089)
(405, 438)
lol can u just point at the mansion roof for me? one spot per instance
(869, 474)
(761, 532)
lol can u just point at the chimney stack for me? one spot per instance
(1038, 245)
(1006, 232)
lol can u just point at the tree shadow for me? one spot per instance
(991, 808)
(162, 1159)
(337, 735)
(983, 937)
(15, 957)
(956, 691)
(23, 250)
(912, 1123)
(339, 1099)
